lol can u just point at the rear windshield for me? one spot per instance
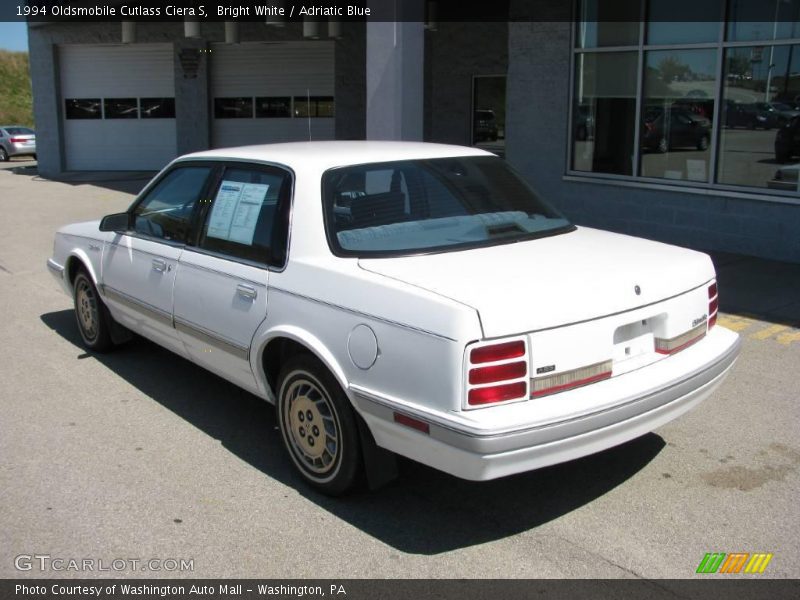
(19, 131)
(416, 206)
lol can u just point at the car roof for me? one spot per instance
(330, 154)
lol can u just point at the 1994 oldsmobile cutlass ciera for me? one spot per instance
(397, 297)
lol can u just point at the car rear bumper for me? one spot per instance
(21, 149)
(475, 454)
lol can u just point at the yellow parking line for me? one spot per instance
(789, 337)
(735, 322)
(768, 332)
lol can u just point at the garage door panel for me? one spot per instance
(100, 72)
(119, 145)
(286, 69)
(243, 132)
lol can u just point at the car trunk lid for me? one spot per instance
(555, 281)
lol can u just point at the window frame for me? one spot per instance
(191, 233)
(337, 250)
(283, 210)
(711, 185)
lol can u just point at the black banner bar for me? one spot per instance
(734, 587)
(354, 10)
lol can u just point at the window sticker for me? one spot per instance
(236, 210)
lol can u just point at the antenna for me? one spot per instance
(308, 112)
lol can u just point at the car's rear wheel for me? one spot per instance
(663, 145)
(318, 426)
(91, 314)
(3, 154)
(702, 143)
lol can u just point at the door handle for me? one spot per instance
(246, 291)
(159, 265)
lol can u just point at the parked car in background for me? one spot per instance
(739, 114)
(785, 178)
(485, 125)
(399, 297)
(16, 141)
(781, 113)
(787, 141)
(674, 128)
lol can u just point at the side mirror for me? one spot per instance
(116, 222)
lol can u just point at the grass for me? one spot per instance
(16, 100)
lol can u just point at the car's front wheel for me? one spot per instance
(318, 426)
(90, 312)
(3, 154)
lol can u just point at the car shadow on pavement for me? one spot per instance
(424, 511)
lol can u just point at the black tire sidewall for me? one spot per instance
(348, 460)
(102, 340)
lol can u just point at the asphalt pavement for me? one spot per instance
(139, 454)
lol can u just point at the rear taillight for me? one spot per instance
(678, 343)
(497, 373)
(17, 140)
(713, 304)
(497, 352)
(567, 380)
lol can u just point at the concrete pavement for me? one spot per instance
(140, 454)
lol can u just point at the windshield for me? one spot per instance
(415, 206)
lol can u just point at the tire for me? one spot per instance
(702, 143)
(318, 426)
(662, 146)
(3, 154)
(94, 320)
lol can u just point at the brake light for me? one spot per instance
(497, 393)
(497, 352)
(17, 140)
(501, 374)
(498, 373)
(713, 304)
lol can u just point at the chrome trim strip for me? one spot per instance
(492, 443)
(363, 314)
(212, 339)
(55, 267)
(143, 308)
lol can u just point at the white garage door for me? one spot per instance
(119, 106)
(272, 92)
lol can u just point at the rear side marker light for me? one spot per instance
(497, 352)
(713, 304)
(678, 343)
(412, 422)
(497, 393)
(561, 382)
(497, 373)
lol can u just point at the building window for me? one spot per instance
(157, 108)
(121, 108)
(274, 108)
(688, 102)
(233, 108)
(83, 108)
(314, 106)
(605, 112)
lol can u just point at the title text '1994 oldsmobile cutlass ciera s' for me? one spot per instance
(402, 298)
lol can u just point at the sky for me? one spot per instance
(13, 36)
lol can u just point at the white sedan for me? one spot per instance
(402, 298)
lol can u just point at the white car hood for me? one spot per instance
(553, 281)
